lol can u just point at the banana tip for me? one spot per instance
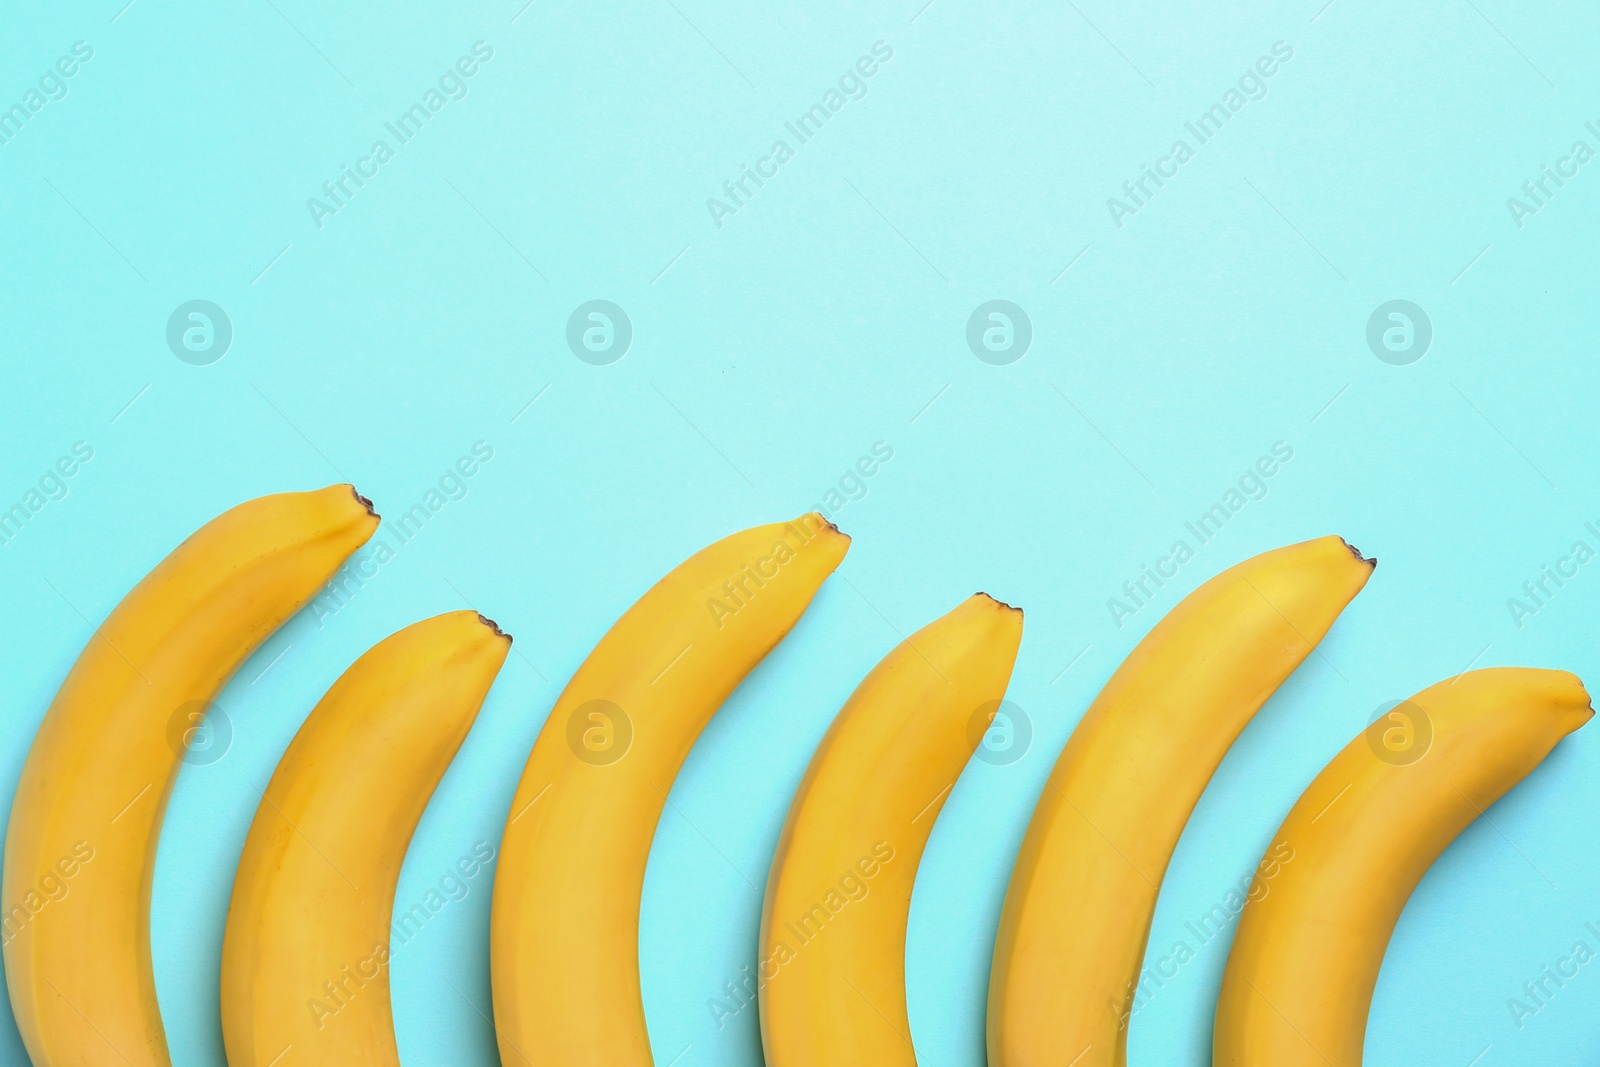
(491, 624)
(364, 502)
(1371, 561)
(997, 600)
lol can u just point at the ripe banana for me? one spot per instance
(564, 930)
(1077, 914)
(833, 928)
(306, 953)
(81, 846)
(1305, 960)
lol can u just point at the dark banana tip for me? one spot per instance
(1371, 561)
(491, 624)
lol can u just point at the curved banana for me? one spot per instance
(306, 953)
(831, 971)
(1077, 914)
(81, 846)
(1305, 960)
(564, 935)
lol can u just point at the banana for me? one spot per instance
(1305, 960)
(306, 952)
(81, 846)
(833, 928)
(564, 927)
(1077, 914)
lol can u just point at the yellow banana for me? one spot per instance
(81, 846)
(306, 953)
(1077, 914)
(564, 929)
(1304, 962)
(833, 928)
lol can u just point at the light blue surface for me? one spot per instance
(1227, 313)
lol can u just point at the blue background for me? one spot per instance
(769, 353)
